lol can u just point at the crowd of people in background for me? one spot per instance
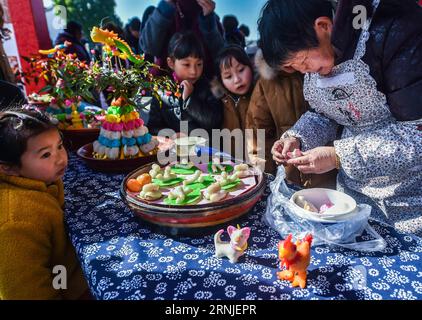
(186, 15)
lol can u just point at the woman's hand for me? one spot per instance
(187, 89)
(318, 160)
(282, 146)
(208, 6)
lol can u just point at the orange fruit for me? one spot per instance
(144, 179)
(133, 185)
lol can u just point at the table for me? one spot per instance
(123, 258)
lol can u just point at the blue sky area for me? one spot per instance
(247, 11)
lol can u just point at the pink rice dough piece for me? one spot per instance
(106, 125)
(133, 124)
(295, 154)
(325, 207)
(113, 126)
(138, 123)
(117, 127)
(129, 125)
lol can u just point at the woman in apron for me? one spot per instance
(379, 153)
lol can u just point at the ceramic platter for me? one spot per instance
(202, 214)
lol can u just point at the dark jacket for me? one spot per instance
(201, 110)
(131, 40)
(10, 95)
(166, 21)
(76, 47)
(6, 72)
(393, 52)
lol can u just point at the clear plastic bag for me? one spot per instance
(281, 215)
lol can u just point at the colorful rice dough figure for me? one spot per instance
(115, 46)
(237, 245)
(296, 258)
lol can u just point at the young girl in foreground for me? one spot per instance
(33, 239)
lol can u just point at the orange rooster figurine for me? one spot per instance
(296, 258)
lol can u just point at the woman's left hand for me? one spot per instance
(318, 160)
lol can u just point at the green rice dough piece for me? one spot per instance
(228, 167)
(208, 180)
(167, 183)
(192, 197)
(183, 171)
(231, 185)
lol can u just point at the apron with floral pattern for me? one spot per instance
(381, 160)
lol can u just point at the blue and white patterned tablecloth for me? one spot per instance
(123, 258)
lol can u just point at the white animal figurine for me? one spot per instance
(237, 245)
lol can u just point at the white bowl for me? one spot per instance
(343, 204)
(185, 146)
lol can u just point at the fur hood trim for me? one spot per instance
(217, 89)
(264, 70)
